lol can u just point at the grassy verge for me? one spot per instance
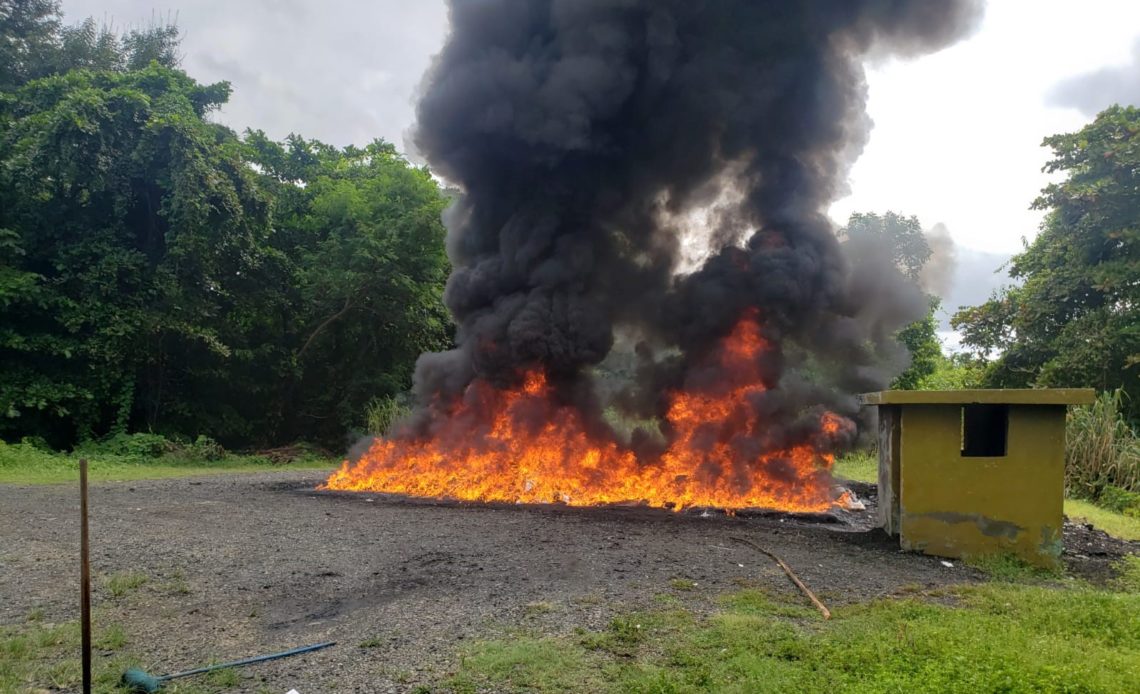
(860, 467)
(993, 637)
(25, 464)
(864, 468)
(1115, 524)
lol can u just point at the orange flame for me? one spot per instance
(521, 446)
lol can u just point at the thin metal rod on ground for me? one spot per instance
(788, 570)
(84, 578)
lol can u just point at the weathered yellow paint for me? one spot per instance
(952, 505)
(1012, 396)
(955, 506)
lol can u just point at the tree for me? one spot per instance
(903, 235)
(159, 273)
(920, 339)
(29, 37)
(1075, 318)
(130, 223)
(905, 239)
(363, 233)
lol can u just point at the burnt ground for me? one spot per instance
(239, 565)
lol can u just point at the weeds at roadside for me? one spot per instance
(1011, 569)
(125, 582)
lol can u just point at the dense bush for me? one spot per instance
(160, 273)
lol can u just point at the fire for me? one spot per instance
(522, 446)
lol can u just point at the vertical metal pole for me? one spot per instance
(84, 577)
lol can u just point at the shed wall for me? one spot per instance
(956, 506)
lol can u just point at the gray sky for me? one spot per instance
(1091, 92)
(957, 134)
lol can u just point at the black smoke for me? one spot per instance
(585, 133)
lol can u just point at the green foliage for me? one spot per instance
(1101, 449)
(954, 372)
(382, 413)
(29, 31)
(1006, 637)
(903, 235)
(34, 44)
(362, 233)
(1120, 501)
(159, 273)
(1075, 318)
(920, 339)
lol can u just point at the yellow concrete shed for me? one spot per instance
(973, 472)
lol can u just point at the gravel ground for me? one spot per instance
(239, 565)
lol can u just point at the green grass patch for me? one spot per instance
(1115, 524)
(40, 656)
(1010, 568)
(858, 466)
(24, 463)
(124, 583)
(37, 656)
(1001, 636)
(528, 664)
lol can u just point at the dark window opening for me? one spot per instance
(984, 430)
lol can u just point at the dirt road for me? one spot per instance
(243, 564)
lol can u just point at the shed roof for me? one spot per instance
(1013, 396)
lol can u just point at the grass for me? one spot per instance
(25, 464)
(1115, 524)
(1101, 448)
(859, 466)
(37, 656)
(124, 583)
(1001, 636)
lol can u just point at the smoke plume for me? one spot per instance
(587, 135)
(938, 273)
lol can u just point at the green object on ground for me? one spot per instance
(142, 682)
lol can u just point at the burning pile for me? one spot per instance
(646, 180)
(531, 449)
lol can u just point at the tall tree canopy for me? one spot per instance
(157, 272)
(130, 222)
(1074, 319)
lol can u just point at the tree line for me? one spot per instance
(160, 272)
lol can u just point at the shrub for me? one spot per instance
(1102, 450)
(130, 445)
(382, 413)
(1120, 501)
(205, 448)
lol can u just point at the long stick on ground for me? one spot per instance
(788, 570)
(84, 578)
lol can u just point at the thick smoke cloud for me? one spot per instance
(584, 133)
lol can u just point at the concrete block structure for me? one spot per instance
(968, 473)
